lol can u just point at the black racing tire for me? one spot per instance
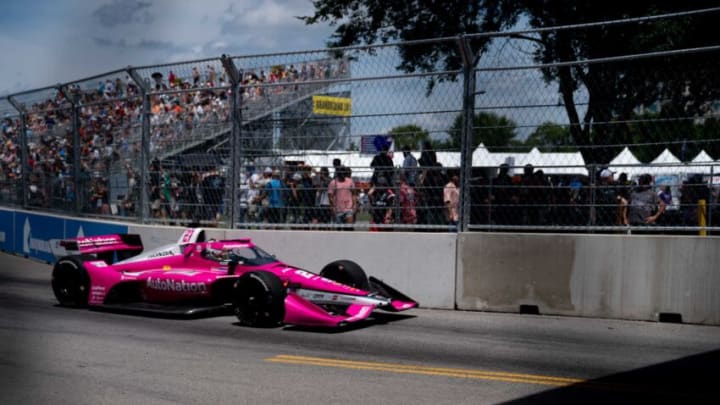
(71, 282)
(346, 272)
(259, 299)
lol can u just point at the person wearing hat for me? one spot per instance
(606, 199)
(293, 200)
(274, 192)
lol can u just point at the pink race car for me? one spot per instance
(196, 276)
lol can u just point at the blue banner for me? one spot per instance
(32, 235)
(34, 232)
(7, 233)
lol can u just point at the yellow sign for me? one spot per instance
(332, 105)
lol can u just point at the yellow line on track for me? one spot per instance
(423, 370)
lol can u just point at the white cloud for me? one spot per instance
(88, 38)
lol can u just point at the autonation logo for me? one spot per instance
(176, 286)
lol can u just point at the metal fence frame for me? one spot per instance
(234, 87)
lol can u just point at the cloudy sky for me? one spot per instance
(44, 42)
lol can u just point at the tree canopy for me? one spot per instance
(492, 130)
(411, 135)
(683, 85)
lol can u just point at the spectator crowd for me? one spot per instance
(421, 194)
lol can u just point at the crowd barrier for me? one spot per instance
(640, 277)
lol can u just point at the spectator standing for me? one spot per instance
(408, 213)
(692, 191)
(293, 198)
(382, 165)
(382, 201)
(343, 196)
(451, 197)
(606, 199)
(665, 195)
(306, 194)
(323, 210)
(410, 166)
(253, 192)
(503, 198)
(645, 205)
(275, 192)
(428, 157)
(431, 196)
(213, 189)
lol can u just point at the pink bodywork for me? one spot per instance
(181, 273)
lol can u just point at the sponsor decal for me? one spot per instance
(89, 241)
(30, 243)
(187, 236)
(167, 267)
(162, 253)
(97, 293)
(98, 263)
(305, 274)
(176, 286)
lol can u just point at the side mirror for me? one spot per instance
(188, 251)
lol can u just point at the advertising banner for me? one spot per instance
(326, 105)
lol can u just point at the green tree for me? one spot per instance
(411, 135)
(550, 137)
(683, 85)
(492, 130)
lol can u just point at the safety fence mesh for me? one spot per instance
(350, 138)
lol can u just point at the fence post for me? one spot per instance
(23, 152)
(466, 135)
(145, 145)
(73, 97)
(702, 216)
(235, 150)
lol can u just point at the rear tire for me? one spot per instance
(259, 299)
(71, 282)
(346, 272)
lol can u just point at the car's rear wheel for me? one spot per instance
(259, 299)
(346, 272)
(71, 282)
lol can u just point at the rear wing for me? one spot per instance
(103, 245)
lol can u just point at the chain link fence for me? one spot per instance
(342, 139)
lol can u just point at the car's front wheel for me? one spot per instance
(71, 282)
(259, 299)
(346, 272)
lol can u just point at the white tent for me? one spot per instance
(548, 162)
(664, 163)
(703, 163)
(626, 162)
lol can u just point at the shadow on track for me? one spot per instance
(689, 380)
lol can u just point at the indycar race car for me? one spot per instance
(195, 276)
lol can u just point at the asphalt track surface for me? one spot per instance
(55, 355)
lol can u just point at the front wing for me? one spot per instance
(310, 307)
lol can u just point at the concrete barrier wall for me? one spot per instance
(609, 276)
(612, 276)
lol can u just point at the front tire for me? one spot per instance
(259, 299)
(346, 272)
(71, 282)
